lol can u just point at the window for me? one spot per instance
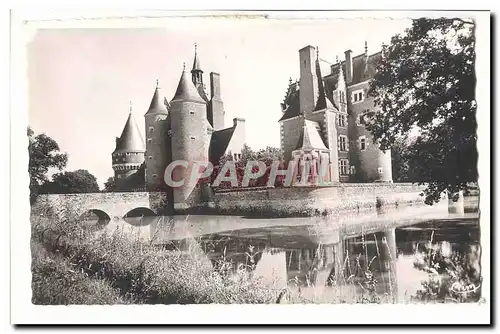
(150, 157)
(155, 176)
(343, 143)
(342, 96)
(380, 170)
(235, 156)
(191, 112)
(169, 133)
(362, 143)
(239, 156)
(353, 170)
(151, 129)
(150, 140)
(192, 137)
(342, 120)
(344, 165)
(357, 96)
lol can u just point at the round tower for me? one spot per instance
(188, 115)
(158, 151)
(128, 155)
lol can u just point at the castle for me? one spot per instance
(322, 121)
(190, 127)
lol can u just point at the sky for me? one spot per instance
(81, 81)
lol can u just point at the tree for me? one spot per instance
(79, 181)
(425, 83)
(266, 155)
(44, 154)
(110, 185)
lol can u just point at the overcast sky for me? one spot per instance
(81, 80)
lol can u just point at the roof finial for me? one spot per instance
(366, 47)
(317, 52)
(184, 67)
(195, 47)
(157, 84)
(130, 106)
(337, 59)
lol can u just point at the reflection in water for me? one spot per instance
(372, 257)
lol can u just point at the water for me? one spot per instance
(332, 259)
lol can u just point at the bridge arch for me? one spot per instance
(94, 218)
(140, 216)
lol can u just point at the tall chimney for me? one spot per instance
(308, 93)
(216, 107)
(348, 66)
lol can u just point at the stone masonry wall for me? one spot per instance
(317, 200)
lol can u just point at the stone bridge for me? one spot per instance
(106, 206)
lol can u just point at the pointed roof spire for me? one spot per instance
(186, 91)
(310, 138)
(131, 138)
(196, 61)
(323, 102)
(157, 103)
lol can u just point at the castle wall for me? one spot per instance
(304, 200)
(158, 152)
(188, 121)
(290, 135)
(368, 161)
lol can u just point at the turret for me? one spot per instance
(197, 75)
(188, 115)
(128, 155)
(158, 151)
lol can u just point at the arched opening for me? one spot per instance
(94, 219)
(140, 216)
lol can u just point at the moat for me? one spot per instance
(303, 253)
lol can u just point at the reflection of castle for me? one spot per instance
(190, 127)
(323, 118)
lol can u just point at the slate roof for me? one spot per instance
(131, 138)
(219, 143)
(310, 138)
(291, 103)
(158, 105)
(186, 91)
(363, 69)
(323, 101)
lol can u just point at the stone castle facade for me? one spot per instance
(323, 119)
(188, 127)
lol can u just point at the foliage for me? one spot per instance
(79, 181)
(266, 155)
(110, 184)
(425, 83)
(453, 275)
(401, 167)
(44, 154)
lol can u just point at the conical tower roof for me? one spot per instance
(157, 105)
(131, 138)
(186, 91)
